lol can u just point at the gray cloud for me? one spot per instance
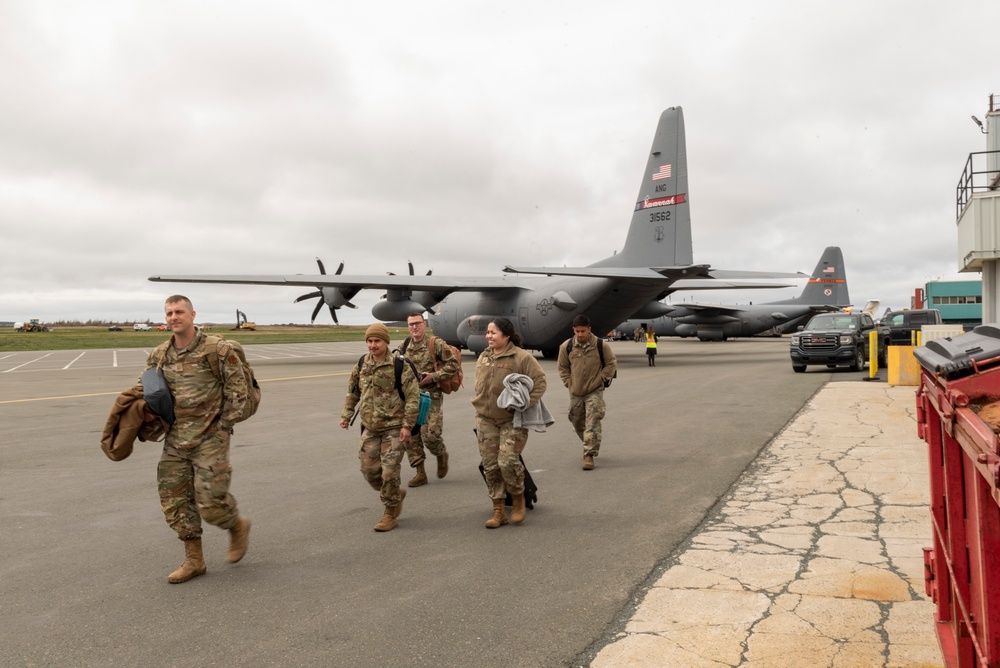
(251, 138)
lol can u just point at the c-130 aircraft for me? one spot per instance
(655, 261)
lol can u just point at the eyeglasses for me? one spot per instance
(415, 324)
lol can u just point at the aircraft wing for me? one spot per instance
(713, 279)
(358, 282)
(714, 309)
(715, 284)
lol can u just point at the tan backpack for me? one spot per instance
(451, 384)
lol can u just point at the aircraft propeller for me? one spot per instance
(334, 298)
(410, 265)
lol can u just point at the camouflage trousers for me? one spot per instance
(380, 456)
(500, 445)
(585, 414)
(429, 435)
(194, 486)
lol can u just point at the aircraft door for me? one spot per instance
(522, 316)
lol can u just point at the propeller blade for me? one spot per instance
(319, 305)
(308, 296)
(411, 267)
(340, 268)
(333, 312)
(322, 269)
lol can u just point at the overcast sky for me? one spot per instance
(141, 138)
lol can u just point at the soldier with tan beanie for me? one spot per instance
(387, 419)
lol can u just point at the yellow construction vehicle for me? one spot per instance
(33, 325)
(243, 323)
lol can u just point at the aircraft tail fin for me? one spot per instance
(828, 284)
(660, 232)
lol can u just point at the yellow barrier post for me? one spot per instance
(872, 355)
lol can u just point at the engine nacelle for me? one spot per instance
(472, 331)
(711, 334)
(686, 330)
(388, 311)
(336, 298)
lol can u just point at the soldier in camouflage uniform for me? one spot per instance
(387, 420)
(193, 475)
(416, 348)
(581, 372)
(500, 442)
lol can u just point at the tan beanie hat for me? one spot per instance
(379, 331)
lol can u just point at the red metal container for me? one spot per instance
(956, 401)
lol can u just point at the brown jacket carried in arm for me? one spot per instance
(127, 422)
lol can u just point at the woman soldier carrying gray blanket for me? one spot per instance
(500, 442)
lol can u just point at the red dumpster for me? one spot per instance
(958, 415)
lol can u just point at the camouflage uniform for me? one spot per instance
(500, 442)
(193, 475)
(430, 434)
(383, 413)
(581, 372)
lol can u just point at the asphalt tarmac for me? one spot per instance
(85, 553)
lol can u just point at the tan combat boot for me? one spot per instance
(239, 538)
(194, 563)
(399, 507)
(499, 517)
(588, 462)
(517, 511)
(420, 478)
(443, 464)
(388, 521)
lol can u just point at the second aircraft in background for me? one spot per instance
(825, 291)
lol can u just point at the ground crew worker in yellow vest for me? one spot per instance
(651, 345)
(585, 377)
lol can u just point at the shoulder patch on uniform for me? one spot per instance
(232, 359)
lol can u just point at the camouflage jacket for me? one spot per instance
(420, 355)
(492, 368)
(373, 391)
(202, 403)
(581, 370)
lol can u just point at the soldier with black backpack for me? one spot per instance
(388, 409)
(586, 366)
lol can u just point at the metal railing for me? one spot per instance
(980, 175)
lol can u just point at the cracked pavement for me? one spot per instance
(814, 558)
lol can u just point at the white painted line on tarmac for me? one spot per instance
(74, 361)
(15, 368)
(114, 358)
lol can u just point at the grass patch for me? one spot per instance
(87, 338)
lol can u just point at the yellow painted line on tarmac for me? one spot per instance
(110, 394)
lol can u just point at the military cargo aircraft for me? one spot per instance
(825, 291)
(655, 261)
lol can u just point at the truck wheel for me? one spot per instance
(858, 363)
(799, 368)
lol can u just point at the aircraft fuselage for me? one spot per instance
(542, 313)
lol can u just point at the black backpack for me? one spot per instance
(397, 364)
(600, 353)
